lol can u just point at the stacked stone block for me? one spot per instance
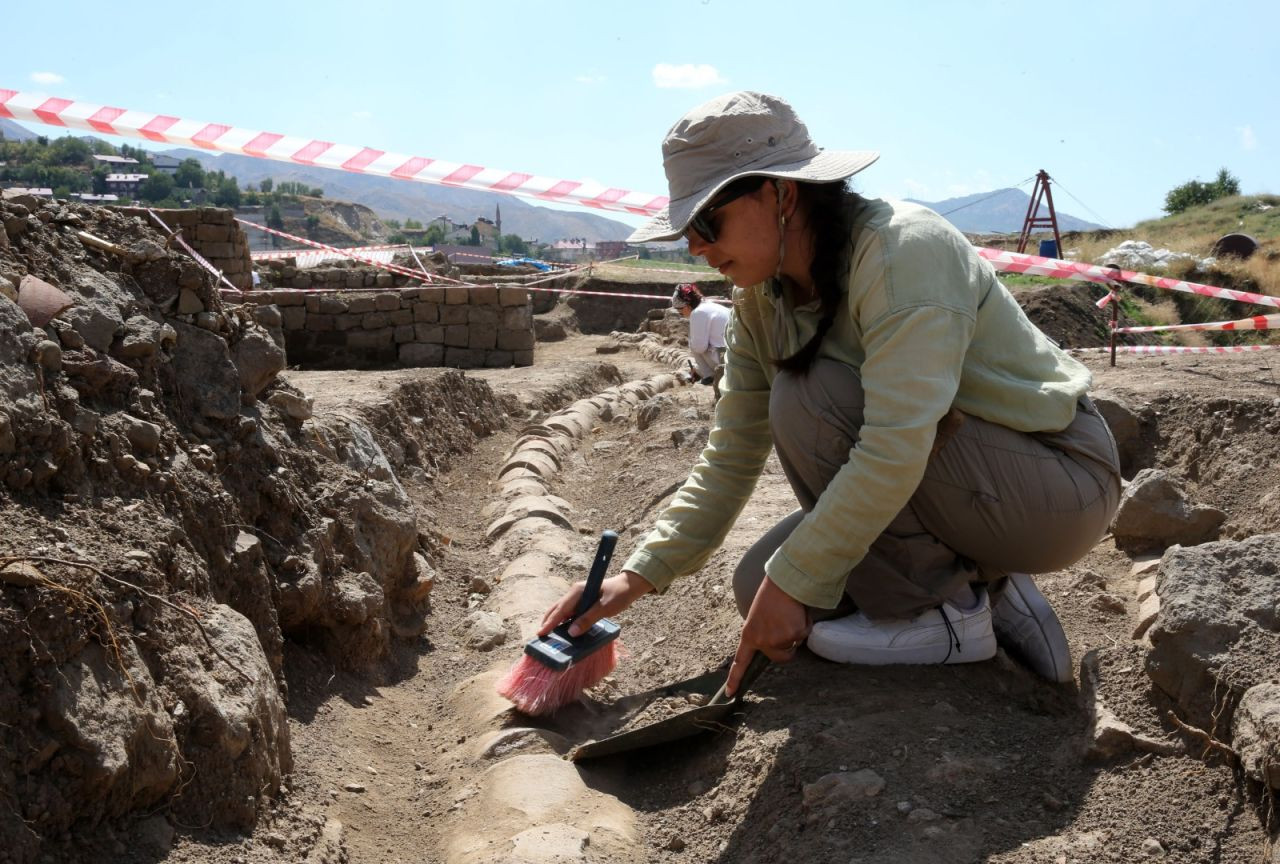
(214, 233)
(338, 275)
(461, 327)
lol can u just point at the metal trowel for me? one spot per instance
(713, 715)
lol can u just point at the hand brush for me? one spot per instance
(556, 668)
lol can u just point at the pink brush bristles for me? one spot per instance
(537, 689)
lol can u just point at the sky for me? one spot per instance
(1118, 101)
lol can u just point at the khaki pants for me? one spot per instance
(992, 499)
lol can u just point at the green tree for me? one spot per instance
(393, 223)
(189, 175)
(313, 223)
(274, 219)
(266, 185)
(512, 243)
(227, 194)
(434, 236)
(475, 236)
(69, 151)
(412, 223)
(156, 188)
(317, 192)
(1195, 193)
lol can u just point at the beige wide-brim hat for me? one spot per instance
(739, 135)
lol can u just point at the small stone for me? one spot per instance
(1110, 604)
(922, 814)
(904, 807)
(1152, 849)
(354, 787)
(675, 844)
(479, 586)
(189, 303)
(49, 355)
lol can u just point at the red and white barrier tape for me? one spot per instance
(17, 105)
(1257, 322)
(269, 254)
(1176, 349)
(531, 286)
(394, 268)
(1014, 262)
(199, 259)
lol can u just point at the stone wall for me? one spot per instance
(461, 327)
(214, 233)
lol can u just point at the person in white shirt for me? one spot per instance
(707, 322)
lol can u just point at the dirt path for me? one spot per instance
(980, 762)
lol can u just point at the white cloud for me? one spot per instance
(589, 79)
(47, 78)
(686, 75)
(1248, 140)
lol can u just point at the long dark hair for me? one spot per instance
(828, 219)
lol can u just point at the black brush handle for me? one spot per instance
(591, 593)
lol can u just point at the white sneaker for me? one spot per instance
(942, 635)
(1028, 627)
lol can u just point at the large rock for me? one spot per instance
(208, 377)
(17, 377)
(1256, 733)
(1217, 630)
(234, 729)
(258, 358)
(1127, 429)
(1154, 514)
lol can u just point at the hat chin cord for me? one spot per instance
(782, 232)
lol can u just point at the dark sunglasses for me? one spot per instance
(701, 221)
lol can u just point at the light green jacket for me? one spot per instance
(927, 325)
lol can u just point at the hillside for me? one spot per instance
(999, 212)
(396, 199)
(11, 131)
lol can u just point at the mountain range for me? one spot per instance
(14, 132)
(397, 199)
(999, 212)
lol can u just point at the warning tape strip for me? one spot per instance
(199, 259)
(531, 286)
(1176, 349)
(420, 275)
(54, 111)
(1015, 262)
(268, 254)
(1257, 322)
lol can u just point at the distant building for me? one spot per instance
(488, 232)
(90, 198)
(119, 163)
(572, 249)
(606, 249)
(167, 164)
(125, 184)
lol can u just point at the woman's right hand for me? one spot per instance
(616, 594)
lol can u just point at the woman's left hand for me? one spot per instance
(777, 624)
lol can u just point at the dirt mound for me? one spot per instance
(173, 514)
(1067, 314)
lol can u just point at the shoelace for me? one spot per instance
(951, 631)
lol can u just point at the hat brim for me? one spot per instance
(827, 167)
